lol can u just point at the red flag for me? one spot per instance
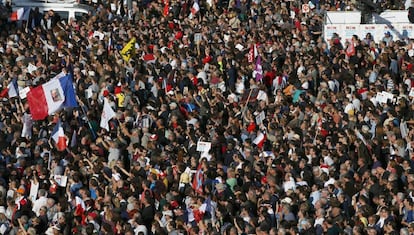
(198, 215)
(251, 127)
(178, 35)
(198, 180)
(250, 56)
(363, 92)
(350, 50)
(195, 8)
(79, 210)
(207, 59)
(169, 87)
(324, 133)
(166, 8)
(149, 58)
(4, 92)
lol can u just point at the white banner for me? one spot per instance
(349, 31)
(345, 31)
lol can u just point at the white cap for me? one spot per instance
(169, 213)
(287, 200)
(20, 58)
(91, 73)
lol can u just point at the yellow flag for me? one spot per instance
(121, 99)
(129, 50)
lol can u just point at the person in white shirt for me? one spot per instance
(356, 102)
(289, 183)
(349, 107)
(240, 86)
(262, 96)
(40, 202)
(320, 217)
(315, 195)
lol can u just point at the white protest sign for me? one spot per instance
(388, 95)
(404, 129)
(305, 8)
(23, 92)
(99, 35)
(113, 7)
(260, 117)
(31, 68)
(203, 146)
(411, 94)
(61, 180)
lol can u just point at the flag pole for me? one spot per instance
(247, 101)
(165, 86)
(87, 120)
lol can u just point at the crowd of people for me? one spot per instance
(232, 117)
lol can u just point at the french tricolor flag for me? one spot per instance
(198, 180)
(51, 97)
(260, 139)
(13, 89)
(58, 135)
(363, 92)
(195, 8)
(20, 14)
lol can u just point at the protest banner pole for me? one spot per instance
(247, 101)
(316, 135)
(165, 86)
(277, 216)
(89, 123)
(87, 120)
